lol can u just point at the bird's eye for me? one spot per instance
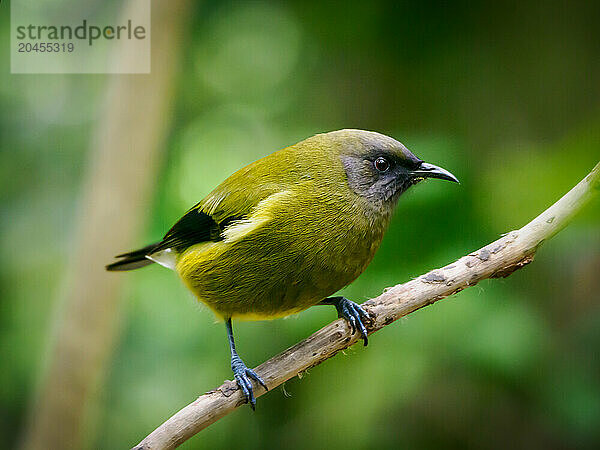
(381, 164)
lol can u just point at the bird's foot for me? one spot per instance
(243, 377)
(353, 313)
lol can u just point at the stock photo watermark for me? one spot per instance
(80, 36)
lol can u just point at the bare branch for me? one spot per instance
(498, 259)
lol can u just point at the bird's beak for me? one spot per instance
(426, 170)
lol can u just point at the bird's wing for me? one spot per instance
(194, 227)
(207, 220)
(235, 199)
(232, 202)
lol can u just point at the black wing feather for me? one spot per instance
(194, 227)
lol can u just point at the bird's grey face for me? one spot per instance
(380, 168)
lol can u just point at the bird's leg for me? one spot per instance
(352, 312)
(242, 373)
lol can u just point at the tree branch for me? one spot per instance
(498, 259)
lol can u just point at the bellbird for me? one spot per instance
(289, 230)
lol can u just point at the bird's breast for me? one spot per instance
(284, 258)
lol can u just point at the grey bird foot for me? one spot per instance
(352, 312)
(243, 377)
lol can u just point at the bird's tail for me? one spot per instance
(133, 260)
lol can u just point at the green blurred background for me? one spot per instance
(504, 94)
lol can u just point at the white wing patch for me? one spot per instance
(261, 214)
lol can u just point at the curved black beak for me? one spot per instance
(426, 170)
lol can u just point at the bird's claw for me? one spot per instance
(243, 376)
(354, 314)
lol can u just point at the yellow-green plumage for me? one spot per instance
(289, 230)
(304, 235)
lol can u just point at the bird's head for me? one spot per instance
(379, 168)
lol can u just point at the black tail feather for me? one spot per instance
(133, 260)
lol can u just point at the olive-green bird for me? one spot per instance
(287, 231)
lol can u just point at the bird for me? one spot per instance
(288, 231)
